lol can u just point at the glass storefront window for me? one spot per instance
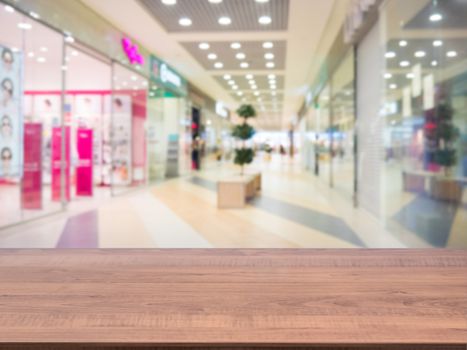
(425, 121)
(31, 118)
(343, 126)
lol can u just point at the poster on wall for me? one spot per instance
(11, 120)
(31, 187)
(57, 161)
(46, 109)
(84, 168)
(119, 154)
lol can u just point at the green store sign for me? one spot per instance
(162, 74)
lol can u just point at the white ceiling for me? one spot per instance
(306, 22)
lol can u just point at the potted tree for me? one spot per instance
(442, 138)
(244, 131)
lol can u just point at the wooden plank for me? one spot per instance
(333, 299)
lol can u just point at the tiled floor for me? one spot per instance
(294, 209)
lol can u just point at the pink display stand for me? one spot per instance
(56, 163)
(31, 186)
(84, 169)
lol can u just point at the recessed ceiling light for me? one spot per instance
(227, 76)
(235, 46)
(144, 83)
(249, 76)
(235, 87)
(41, 59)
(69, 39)
(204, 46)
(270, 65)
(271, 76)
(239, 93)
(451, 54)
(218, 65)
(273, 88)
(420, 54)
(185, 22)
(256, 93)
(134, 77)
(14, 49)
(409, 75)
(64, 67)
(393, 86)
(240, 56)
(244, 65)
(437, 43)
(224, 20)
(404, 63)
(44, 49)
(390, 54)
(231, 82)
(273, 93)
(251, 82)
(434, 63)
(262, 1)
(74, 53)
(212, 56)
(9, 9)
(268, 45)
(215, 1)
(34, 15)
(169, 2)
(403, 43)
(254, 87)
(264, 20)
(387, 76)
(436, 17)
(269, 56)
(25, 26)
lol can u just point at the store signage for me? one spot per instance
(132, 52)
(161, 73)
(84, 169)
(221, 110)
(355, 18)
(31, 186)
(57, 163)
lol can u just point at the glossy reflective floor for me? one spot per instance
(294, 209)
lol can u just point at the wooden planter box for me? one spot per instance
(235, 191)
(446, 189)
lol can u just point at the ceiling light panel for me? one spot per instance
(261, 81)
(245, 15)
(251, 52)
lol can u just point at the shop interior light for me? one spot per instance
(437, 43)
(436, 17)
(269, 56)
(14, 49)
(64, 67)
(41, 59)
(69, 39)
(215, 1)
(271, 76)
(409, 75)
(270, 65)
(235, 46)
(224, 20)
(204, 46)
(34, 15)
(434, 63)
(273, 93)
(404, 63)
(185, 22)
(212, 56)
(451, 54)
(134, 77)
(390, 54)
(169, 2)
(44, 49)
(256, 93)
(24, 25)
(9, 9)
(393, 86)
(403, 43)
(240, 56)
(218, 65)
(227, 76)
(244, 65)
(74, 53)
(264, 20)
(239, 93)
(249, 76)
(420, 54)
(231, 82)
(31, 54)
(268, 45)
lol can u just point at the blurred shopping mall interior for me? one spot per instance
(233, 124)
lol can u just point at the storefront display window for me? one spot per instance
(30, 66)
(425, 120)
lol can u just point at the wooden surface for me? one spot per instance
(373, 299)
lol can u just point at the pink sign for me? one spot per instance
(31, 187)
(57, 161)
(132, 52)
(84, 168)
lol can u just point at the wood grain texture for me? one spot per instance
(321, 299)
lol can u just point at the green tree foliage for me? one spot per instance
(244, 132)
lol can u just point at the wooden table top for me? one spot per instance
(227, 297)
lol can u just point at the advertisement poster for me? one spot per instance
(84, 169)
(31, 188)
(11, 121)
(56, 163)
(120, 155)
